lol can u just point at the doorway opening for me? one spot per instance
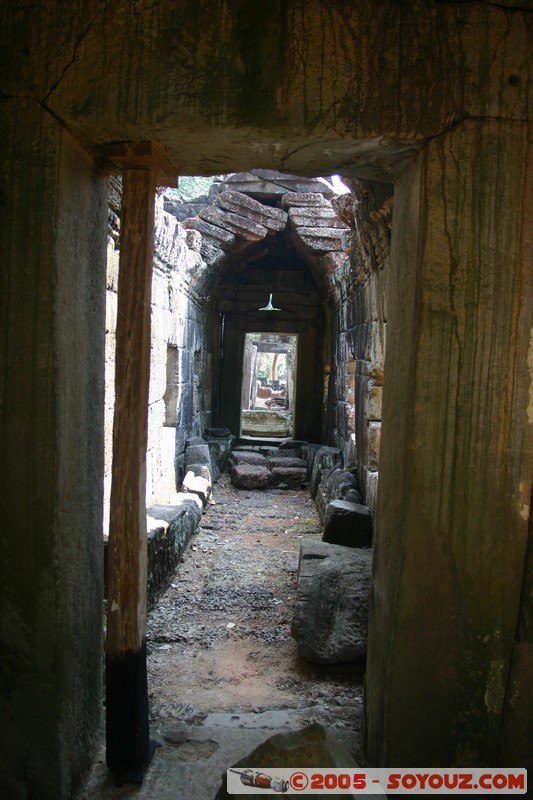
(268, 385)
(254, 389)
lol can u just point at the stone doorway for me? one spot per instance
(268, 385)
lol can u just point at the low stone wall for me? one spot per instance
(169, 530)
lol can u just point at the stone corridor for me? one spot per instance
(223, 671)
(412, 301)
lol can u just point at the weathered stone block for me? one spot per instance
(273, 219)
(281, 461)
(353, 496)
(330, 622)
(235, 223)
(224, 239)
(315, 218)
(259, 422)
(330, 262)
(326, 458)
(219, 449)
(194, 440)
(201, 471)
(247, 457)
(321, 240)
(250, 476)
(312, 450)
(336, 483)
(373, 444)
(293, 477)
(198, 454)
(373, 401)
(195, 484)
(303, 199)
(288, 453)
(348, 524)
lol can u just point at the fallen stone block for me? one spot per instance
(306, 748)
(330, 621)
(353, 496)
(292, 444)
(247, 457)
(264, 422)
(250, 476)
(218, 432)
(312, 450)
(282, 461)
(220, 445)
(334, 486)
(292, 477)
(198, 454)
(195, 484)
(347, 524)
(201, 471)
(194, 440)
(326, 458)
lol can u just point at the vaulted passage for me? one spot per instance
(412, 306)
(267, 342)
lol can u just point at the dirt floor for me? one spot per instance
(221, 658)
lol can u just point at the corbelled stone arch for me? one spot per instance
(293, 222)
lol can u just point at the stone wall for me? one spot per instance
(359, 331)
(51, 389)
(178, 403)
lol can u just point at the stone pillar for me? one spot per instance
(456, 465)
(128, 746)
(247, 375)
(53, 220)
(127, 731)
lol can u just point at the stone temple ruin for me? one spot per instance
(410, 299)
(234, 378)
(261, 235)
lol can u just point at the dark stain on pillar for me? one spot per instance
(260, 38)
(129, 749)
